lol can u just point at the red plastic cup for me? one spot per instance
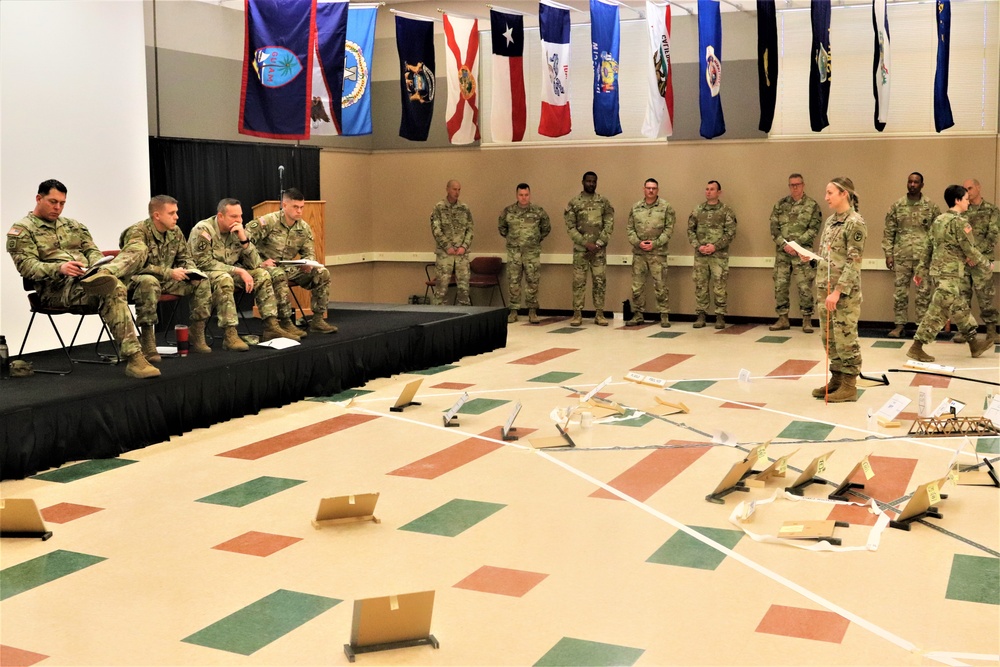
(181, 333)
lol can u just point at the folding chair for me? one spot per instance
(485, 274)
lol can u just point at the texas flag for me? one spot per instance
(509, 111)
(553, 23)
(461, 60)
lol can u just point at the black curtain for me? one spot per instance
(200, 173)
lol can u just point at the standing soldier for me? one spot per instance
(525, 226)
(903, 242)
(650, 224)
(222, 249)
(164, 261)
(451, 225)
(985, 220)
(590, 219)
(794, 218)
(950, 249)
(285, 235)
(711, 228)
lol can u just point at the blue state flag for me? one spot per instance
(942, 106)
(415, 45)
(277, 68)
(357, 99)
(713, 123)
(605, 43)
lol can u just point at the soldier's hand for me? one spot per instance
(591, 246)
(917, 280)
(788, 249)
(889, 263)
(460, 250)
(450, 250)
(832, 299)
(178, 274)
(646, 245)
(72, 268)
(246, 278)
(268, 263)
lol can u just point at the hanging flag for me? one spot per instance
(942, 107)
(553, 26)
(659, 121)
(415, 45)
(713, 123)
(767, 62)
(279, 44)
(819, 65)
(357, 99)
(605, 43)
(462, 60)
(881, 63)
(509, 110)
(328, 67)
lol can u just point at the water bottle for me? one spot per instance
(4, 359)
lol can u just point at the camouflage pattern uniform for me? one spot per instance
(904, 240)
(842, 246)
(650, 222)
(524, 229)
(950, 244)
(163, 252)
(274, 239)
(797, 221)
(217, 254)
(39, 247)
(985, 221)
(715, 224)
(589, 219)
(451, 226)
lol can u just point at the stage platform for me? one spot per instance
(98, 412)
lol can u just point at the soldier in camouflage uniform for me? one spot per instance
(985, 220)
(838, 288)
(285, 235)
(53, 252)
(711, 228)
(525, 226)
(590, 219)
(163, 269)
(451, 226)
(220, 245)
(903, 243)
(950, 249)
(794, 218)
(650, 224)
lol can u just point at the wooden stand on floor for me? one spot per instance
(975, 477)
(508, 427)
(390, 622)
(346, 509)
(563, 440)
(840, 493)
(733, 481)
(920, 505)
(19, 517)
(821, 530)
(778, 468)
(809, 475)
(405, 399)
(451, 416)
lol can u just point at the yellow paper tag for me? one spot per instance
(933, 494)
(953, 474)
(393, 603)
(866, 467)
(783, 465)
(762, 453)
(350, 500)
(794, 528)
(821, 465)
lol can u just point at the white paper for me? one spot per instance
(279, 343)
(925, 366)
(300, 262)
(590, 394)
(805, 252)
(993, 412)
(893, 406)
(946, 405)
(453, 410)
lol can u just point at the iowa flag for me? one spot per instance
(553, 26)
(659, 121)
(462, 60)
(277, 68)
(509, 109)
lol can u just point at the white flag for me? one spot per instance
(659, 120)
(883, 63)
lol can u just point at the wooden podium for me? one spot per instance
(315, 215)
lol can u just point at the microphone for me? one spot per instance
(281, 170)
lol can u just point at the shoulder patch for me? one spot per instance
(207, 235)
(15, 231)
(968, 228)
(858, 236)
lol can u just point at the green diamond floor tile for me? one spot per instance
(773, 339)
(693, 386)
(683, 550)
(889, 344)
(84, 469)
(974, 579)
(250, 492)
(635, 422)
(800, 430)
(569, 652)
(41, 570)
(989, 445)
(453, 518)
(255, 626)
(555, 377)
(667, 334)
(435, 370)
(342, 396)
(566, 330)
(478, 406)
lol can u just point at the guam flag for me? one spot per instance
(713, 123)
(509, 109)
(415, 44)
(553, 25)
(357, 100)
(277, 67)
(328, 67)
(820, 67)
(942, 107)
(659, 121)
(767, 62)
(605, 44)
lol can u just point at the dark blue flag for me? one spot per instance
(713, 124)
(277, 68)
(605, 44)
(415, 45)
(767, 62)
(942, 107)
(819, 66)
(328, 70)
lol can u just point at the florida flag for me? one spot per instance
(659, 120)
(553, 23)
(508, 111)
(461, 59)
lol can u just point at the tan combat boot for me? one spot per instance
(139, 368)
(829, 388)
(533, 316)
(577, 319)
(916, 351)
(959, 338)
(231, 341)
(665, 320)
(599, 318)
(699, 321)
(273, 330)
(318, 324)
(196, 339)
(897, 332)
(847, 392)
(291, 331)
(512, 316)
(101, 283)
(147, 339)
(807, 324)
(720, 321)
(637, 320)
(781, 325)
(977, 346)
